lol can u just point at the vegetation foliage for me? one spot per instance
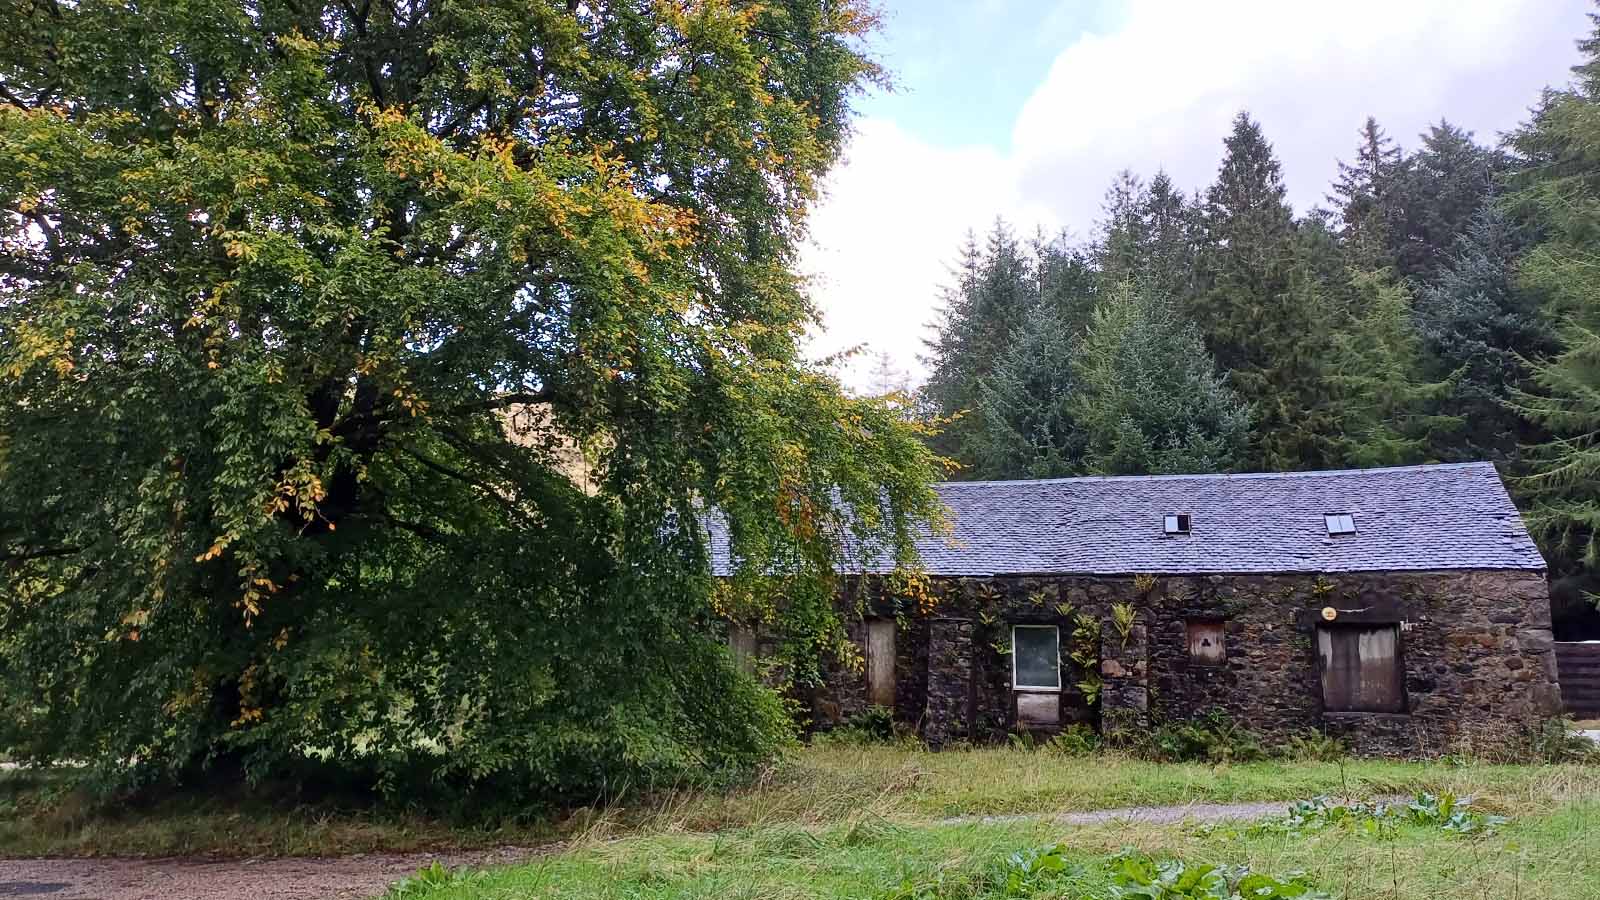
(276, 281)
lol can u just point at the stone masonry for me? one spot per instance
(1475, 647)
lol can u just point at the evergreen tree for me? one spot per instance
(1364, 196)
(1147, 398)
(1443, 186)
(1557, 191)
(1265, 304)
(1249, 239)
(886, 378)
(1385, 409)
(1024, 421)
(1124, 234)
(1172, 241)
(996, 286)
(1480, 328)
(1150, 233)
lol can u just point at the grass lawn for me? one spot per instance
(816, 789)
(1546, 856)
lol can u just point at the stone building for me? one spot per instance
(1404, 610)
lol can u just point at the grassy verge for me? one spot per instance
(818, 788)
(41, 816)
(1545, 857)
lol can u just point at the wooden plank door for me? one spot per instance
(880, 662)
(1361, 668)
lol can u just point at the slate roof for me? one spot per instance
(1455, 516)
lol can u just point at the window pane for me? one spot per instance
(1037, 659)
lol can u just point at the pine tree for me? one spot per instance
(1249, 249)
(1480, 328)
(1443, 186)
(1265, 304)
(1150, 233)
(1364, 196)
(1147, 398)
(886, 378)
(1024, 425)
(1124, 234)
(1172, 240)
(1384, 406)
(1558, 192)
(996, 286)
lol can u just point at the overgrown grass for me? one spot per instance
(816, 788)
(1548, 857)
(902, 783)
(42, 815)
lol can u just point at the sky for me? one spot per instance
(1027, 109)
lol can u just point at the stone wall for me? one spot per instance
(1476, 652)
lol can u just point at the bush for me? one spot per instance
(1557, 741)
(874, 725)
(1212, 737)
(1076, 740)
(1312, 745)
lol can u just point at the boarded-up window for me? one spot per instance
(1036, 658)
(1361, 668)
(880, 662)
(742, 642)
(1206, 646)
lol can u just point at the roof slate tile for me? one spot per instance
(1455, 516)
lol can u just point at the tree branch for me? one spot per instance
(26, 555)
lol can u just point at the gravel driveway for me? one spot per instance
(343, 878)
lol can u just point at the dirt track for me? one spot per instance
(343, 878)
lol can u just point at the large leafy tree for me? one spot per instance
(273, 277)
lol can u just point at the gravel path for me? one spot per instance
(1153, 815)
(343, 878)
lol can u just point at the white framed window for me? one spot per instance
(1035, 658)
(1175, 523)
(1340, 523)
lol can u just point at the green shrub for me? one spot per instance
(1557, 741)
(873, 725)
(1076, 740)
(1312, 745)
(1212, 737)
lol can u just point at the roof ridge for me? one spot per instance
(1227, 476)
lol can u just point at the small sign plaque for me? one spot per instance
(1329, 613)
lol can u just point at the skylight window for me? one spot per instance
(1340, 523)
(1177, 523)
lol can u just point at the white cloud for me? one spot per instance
(1158, 92)
(892, 224)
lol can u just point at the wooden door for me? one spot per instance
(880, 662)
(1361, 668)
